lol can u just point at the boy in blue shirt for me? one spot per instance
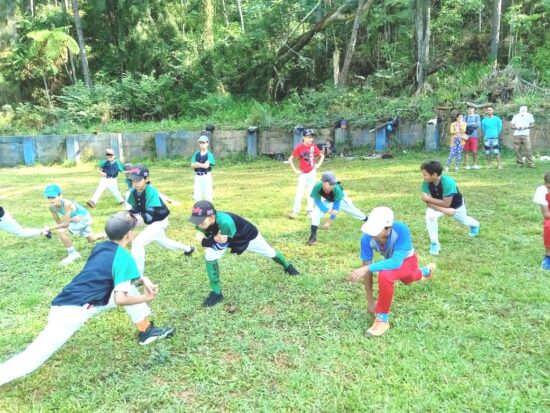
(442, 197)
(392, 239)
(108, 169)
(202, 162)
(491, 126)
(105, 282)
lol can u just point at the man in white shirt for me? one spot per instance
(522, 123)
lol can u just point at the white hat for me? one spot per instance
(379, 218)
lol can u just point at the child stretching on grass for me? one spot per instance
(104, 282)
(69, 217)
(542, 198)
(392, 239)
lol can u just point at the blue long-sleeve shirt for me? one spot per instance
(402, 249)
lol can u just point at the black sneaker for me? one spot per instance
(312, 240)
(212, 299)
(190, 252)
(91, 203)
(290, 270)
(48, 234)
(152, 333)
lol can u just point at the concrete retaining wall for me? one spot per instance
(16, 150)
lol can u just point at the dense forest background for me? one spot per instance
(68, 66)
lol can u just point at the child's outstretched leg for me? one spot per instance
(260, 246)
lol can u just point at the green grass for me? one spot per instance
(475, 338)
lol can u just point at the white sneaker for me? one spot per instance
(70, 258)
(476, 167)
(468, 167)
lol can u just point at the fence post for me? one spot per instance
(431, 137)
(73, 149)
(381, 140)
(161, 144)
(29, 150)
(252, 141)
(116, 145)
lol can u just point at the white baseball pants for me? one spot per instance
(107, 183)
(461, 216)
(63, 322)
(10, 225)
(258, 245)
(306, 182)
(153, 232)
(345, 206)
(203, 188)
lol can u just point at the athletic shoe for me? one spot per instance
(122, 202)
(70, 258)
(377, 329)
(476, 167)
(312, 240)
(532, 165)
(468, 167)
(153, 333)
(91, 203)
(290, 270)
(190, 252)
(474, 231)
(545, 264)
(429, 269)
(212, 299)
(47, 234)
(435, 248)
(293, 215)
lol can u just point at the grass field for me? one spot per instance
(475, 338)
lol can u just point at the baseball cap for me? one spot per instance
(109, 152)
(329, 177)
(203, 138)
(307, 132)
(201, 210)
(119, 225)
(379, 218)
(138, 172)
(51, 191)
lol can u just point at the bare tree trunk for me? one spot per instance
(72, 74)
(422, 27)
(208, 9)
(495, 31)
(225, 18)
(82, 45)
(241, 14)
(46, 89)
(336, 65)
(31, 7)
(362, 5)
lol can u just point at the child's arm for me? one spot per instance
(321, 159)
(365, 274)
(545, 211)
(62, 222)
(292, 165)
(445, 202)
(101, 172)
(122, 297)
(169, 200)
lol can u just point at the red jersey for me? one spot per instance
(306, 155)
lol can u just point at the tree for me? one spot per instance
(495, 30)
(422, 30)
(82, 44)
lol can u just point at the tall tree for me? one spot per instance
(241, 14)
(422, 11)
(495, 30)
(82, 45)
(208, 10)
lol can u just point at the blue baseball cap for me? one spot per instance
(308, 132)
(51, 191)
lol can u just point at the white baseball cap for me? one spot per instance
(379, 218)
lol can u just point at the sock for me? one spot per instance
(385, 317)
(213, 271)
(280, 259)
(425, 271)
(71, 250)
(143, 325)
(313, 231)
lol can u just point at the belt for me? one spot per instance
(201, 173)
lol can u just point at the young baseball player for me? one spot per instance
(217, 231)
(202, 162)
(11, 226)
(307, 153)
(329, 197)
(108, 169)
(542, 199)
(105, 282)
(442, 197)
(392, 239)
(146, 202)
(69, 216)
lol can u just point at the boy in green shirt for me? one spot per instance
(218, 231)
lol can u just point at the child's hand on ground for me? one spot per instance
(358, 274)
(327, 224)
(149, 295)
(149, 285)
(332, 212)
